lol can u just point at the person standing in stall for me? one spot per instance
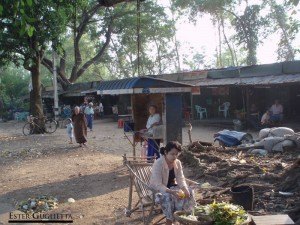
(153, 120)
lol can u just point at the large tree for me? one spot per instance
(156, 36)
(251, 25)
(281, 17)
(31, 27)
(26, 44)
(93, 21)
(105, 43)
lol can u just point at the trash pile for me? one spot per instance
(270, 165)
(39, 204)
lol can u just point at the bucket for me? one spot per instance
(243, 195)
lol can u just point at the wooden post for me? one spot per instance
(247, 104)
(134, 144)
(173, 117)
(192, 111)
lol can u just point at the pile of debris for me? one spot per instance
(275, 176)
(39, 204)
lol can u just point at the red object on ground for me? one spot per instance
(120, 123)
(187, 115)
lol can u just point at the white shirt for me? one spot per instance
(276, 109)
(152, 120)
(101, 107)
(265, 118)
(69, 128)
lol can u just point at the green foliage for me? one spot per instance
(248, 28)
(251, 27)
(282, 20)
(156, 35)
(19, 9)
(224, 213)
(44, 21)
(294, 2)
(14, 83)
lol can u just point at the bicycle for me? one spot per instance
(64, 116)
(32, 125)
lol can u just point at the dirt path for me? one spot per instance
(93, 176)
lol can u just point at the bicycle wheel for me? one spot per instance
(50, 126)
(27, 129)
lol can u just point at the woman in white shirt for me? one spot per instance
(153, 120)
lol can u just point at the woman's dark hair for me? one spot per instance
(170, 146)
(154, 106)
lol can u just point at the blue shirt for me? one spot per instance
(89, 111)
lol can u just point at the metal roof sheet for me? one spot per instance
(262, 80)
(128, 84)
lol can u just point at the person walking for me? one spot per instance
(89, 113)
(70, 130)
(80, 126)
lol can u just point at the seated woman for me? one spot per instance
(265, 120)
(167, 178)
(276, 112)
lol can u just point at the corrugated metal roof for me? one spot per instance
(262, 80)
(139, 82)
(126, 83)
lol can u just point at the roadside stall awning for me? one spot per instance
(141, 85)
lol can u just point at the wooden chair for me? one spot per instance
(140, 172)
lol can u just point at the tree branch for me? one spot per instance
(96, 57)
(110, 3)
(61, 76)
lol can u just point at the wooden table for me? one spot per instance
(272, 220)
(126, 117)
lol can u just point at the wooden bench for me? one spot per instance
(272, 220)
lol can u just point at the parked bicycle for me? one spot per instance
(32, 125)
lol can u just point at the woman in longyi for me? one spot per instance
(80, 126)
(168, 179)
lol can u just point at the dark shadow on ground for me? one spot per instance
(79, 187)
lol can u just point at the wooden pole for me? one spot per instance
(247, 104)
(138, 29)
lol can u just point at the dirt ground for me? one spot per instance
(94, 176)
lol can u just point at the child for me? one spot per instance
(265, 120)
(144, 150)
(70, 130)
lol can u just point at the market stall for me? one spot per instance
(145, 91)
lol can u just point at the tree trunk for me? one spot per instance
(251, 56)
(36, 106)
(220, 45)
(227, 42)
(178, 69)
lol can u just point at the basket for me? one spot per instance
(205, 220)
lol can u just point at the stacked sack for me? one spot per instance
(276, 139)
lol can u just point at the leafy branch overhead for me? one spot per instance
(251, 24)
